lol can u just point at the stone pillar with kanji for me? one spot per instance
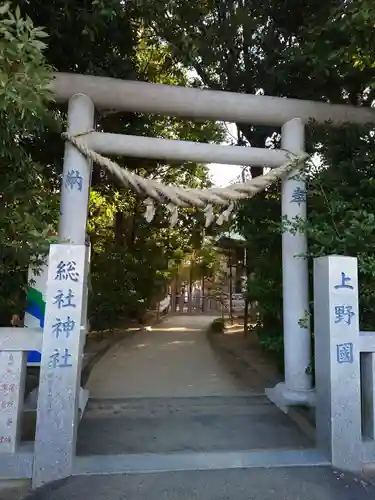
(63, 340)
(337, 360)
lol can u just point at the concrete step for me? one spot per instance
(165, 425)
(188, 406)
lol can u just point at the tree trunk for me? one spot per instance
(190, 298)
(119, 228)
(244, 290)
(203, 294)
(230, 287)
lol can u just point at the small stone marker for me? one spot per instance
(60, 375)
(337, 360)
(12, 386)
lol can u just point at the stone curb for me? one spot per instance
(293, 413)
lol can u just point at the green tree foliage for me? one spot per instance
(144, 256)
(341, 205)
(202, 262)
(310, 50)
(131, 259)
(27, 206)
(340, 183)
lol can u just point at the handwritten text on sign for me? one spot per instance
(10, 378)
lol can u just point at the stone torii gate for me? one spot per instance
(53, 456)
(85, 92)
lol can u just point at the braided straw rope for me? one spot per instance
(183, 197)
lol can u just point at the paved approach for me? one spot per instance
(173, 360)
(166, 391)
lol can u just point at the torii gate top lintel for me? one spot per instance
(142, 97)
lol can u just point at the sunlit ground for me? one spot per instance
(175, 329)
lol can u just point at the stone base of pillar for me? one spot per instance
(283, 397)
(31, 402)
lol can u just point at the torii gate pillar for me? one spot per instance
(297, 388)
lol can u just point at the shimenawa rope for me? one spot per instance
(175, 197)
